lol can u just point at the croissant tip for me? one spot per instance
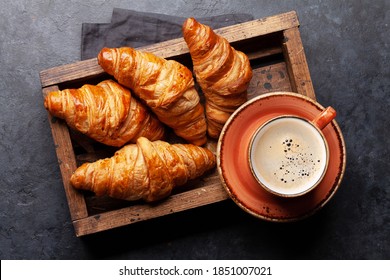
(74, 181)
(46, 102)
(106, 59)
(53, 103)
(77, 180)
(189, 23)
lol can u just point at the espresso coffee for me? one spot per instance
(288, 156)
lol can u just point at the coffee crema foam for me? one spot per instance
(288, 155)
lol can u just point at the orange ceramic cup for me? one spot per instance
(235, 172)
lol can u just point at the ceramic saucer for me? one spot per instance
(234, 170)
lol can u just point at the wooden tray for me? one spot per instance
(274, 47)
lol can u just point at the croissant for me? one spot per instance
(166, 86)
(106, 112)
(222, 72)
(145, 170)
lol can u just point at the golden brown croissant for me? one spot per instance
(166, 86)
(222, 72)
(106, 112)
(145, 170)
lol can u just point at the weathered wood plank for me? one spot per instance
(212, 193)
(297, 64)
(259, 27)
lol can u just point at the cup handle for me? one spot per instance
(324, 118)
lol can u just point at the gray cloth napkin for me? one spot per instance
(136, 29)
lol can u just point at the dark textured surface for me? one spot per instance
(347, 48)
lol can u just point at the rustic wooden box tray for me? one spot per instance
(275, 49)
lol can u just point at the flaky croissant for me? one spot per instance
(166, 86)
(106, 112)
(222, 72)
(145, 170)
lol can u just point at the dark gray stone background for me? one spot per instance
(347, 48)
